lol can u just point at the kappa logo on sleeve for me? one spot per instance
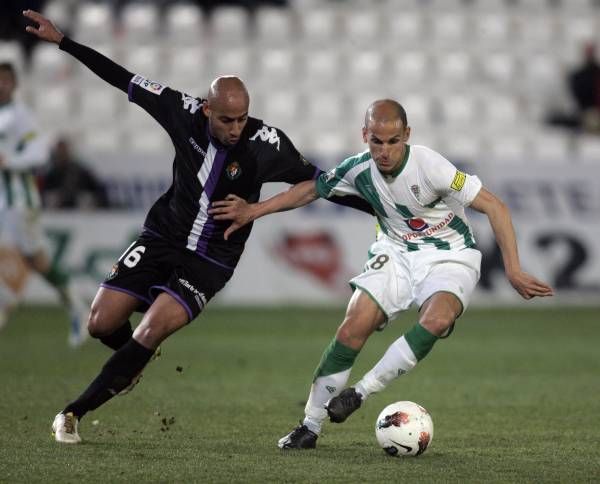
(150, 86)
(269, 135)
(190, 103)
(459, 181)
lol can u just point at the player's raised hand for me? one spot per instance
(45, 29)
(528, 286)
(233, 208)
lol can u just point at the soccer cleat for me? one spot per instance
(64, 428)
(341, 407)
(136, 379)
(299, 438)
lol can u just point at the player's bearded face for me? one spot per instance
(386, 142)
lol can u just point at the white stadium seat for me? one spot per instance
(139, 22)
(318, 26)
(99, 108)
(419, 109)
(551, 146)
(364, 68)
(60, 13)
(12, 52)
(448, 27)
(232, 61)
(146, 60)
(229, 25)
(274, 26)
(184, 25)
(320, 67)
(588, 148)
(406, 29)
(275, 66)
(93, 23)
(458, 109)
(454, 66)
(498, 67)
(53, 107)
(363, 25)
(49, 64)
(187, 68)
(492, 28)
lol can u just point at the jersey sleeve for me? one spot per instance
(280, 160)
(158, 100)
(337, 182)
(449, 182)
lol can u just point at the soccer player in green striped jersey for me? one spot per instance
(22, 150)
(425, 254)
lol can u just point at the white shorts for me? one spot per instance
(20, 228)
(396, 279)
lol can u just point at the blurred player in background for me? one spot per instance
(180, 260)
(425, 255)
(21, 151)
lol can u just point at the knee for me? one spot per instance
(97, 325)
(437, 325)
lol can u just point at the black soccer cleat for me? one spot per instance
(341, 407)
(299, 438)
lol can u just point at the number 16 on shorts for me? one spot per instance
(132, 255)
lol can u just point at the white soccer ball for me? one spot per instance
(404, 428)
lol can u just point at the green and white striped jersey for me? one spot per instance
(21, 149)
(420, 207)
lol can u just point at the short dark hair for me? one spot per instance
(10, 68)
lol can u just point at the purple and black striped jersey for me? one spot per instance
(205, 171)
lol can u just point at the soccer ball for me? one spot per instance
(404, 428)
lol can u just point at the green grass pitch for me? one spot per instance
(514, 395)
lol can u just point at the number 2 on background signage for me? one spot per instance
(133, 256)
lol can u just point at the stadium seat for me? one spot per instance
(551, 146)
(461, 146)
(281, 108)
(360, 25)
(454, 66)
(321, 68)
(146, 60)
(325, 110)
(491, 29)
(501, 110)
(407, 29)
(579, 29)
(107, 140)
(498, 67)
(53, 107)
(458, 109)
(275, 66)
(274, 26)
(184, 25)
(139, 22)
(232, 60)
(411, 67)
(100, 108)
(508, 147)
(229, 25)
(93, 23)
(588, 148)
(60, 13)
(318, 26)
(187, 67)
(364, 68)
(448, 28)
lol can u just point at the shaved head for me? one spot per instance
(385, 111)
(228, 91)
(386, 132)
(226, 108)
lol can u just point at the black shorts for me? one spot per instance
(151, 265)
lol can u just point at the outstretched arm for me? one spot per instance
(100, 65)
(241, 212)
(500, 220)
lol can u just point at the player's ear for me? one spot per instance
(406, 134)
(206, 109)
(364, 133)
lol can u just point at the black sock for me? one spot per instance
(117, 339)
(116, 374)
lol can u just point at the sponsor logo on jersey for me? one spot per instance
(426, 231)
(415, 190)
(269, 135)
(198, 296)
(459, 181)
(196, 146)
(190, 103)
(330, 175)
(233, 170)
(150, 86)
(416, 224)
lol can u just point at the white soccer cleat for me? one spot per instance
(64, 428)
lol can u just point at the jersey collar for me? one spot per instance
(402, 165)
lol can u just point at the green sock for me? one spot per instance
(420, 341)
(337, 357)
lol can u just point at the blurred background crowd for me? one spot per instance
(480, 79)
